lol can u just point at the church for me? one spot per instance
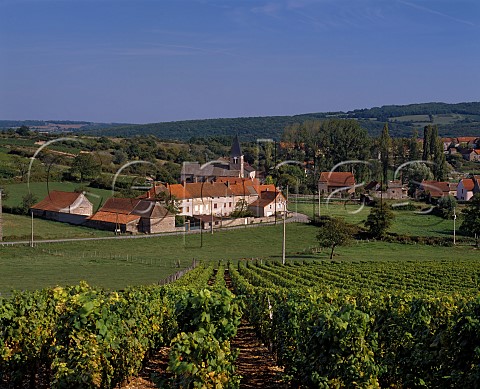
(235, 166)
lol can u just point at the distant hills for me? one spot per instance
(57, 125)
(452, 120)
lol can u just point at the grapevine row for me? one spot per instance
(352, 337)
(81, 336)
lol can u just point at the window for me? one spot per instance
(230, 204)
(215, 205)
(188, 209)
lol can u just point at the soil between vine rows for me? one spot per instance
(255, 363)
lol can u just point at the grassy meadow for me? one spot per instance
(41, 189)
(405, 222)
(116, 264)
(18, 227)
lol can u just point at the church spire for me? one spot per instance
(236, 150)
(236, 157)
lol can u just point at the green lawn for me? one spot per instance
(17, 227)
(118, 263)
(40, 190)
(406, 222)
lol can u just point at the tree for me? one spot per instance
(23, 131)
(433, 151)
(22, 165)
(415, 174)
(241, 209)
(385, 146)
(471, 219)
(413, 148)
(379, 220)
(334, 232)
(27, 201)
(446, 206)
(439, 161)
(86, 166)
(119, 157)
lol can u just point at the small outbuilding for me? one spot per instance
(133, 215)
(66, 207)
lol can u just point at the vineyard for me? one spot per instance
(368, 324)
(85, 337)
(329, 324)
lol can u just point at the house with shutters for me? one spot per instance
(219, 198)
(197, 198)
(66, 207)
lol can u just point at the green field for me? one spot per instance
(41, 189)
(118, 263)
(17, 227)
(405, 222)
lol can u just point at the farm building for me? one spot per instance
(66, 207)
(433, 190)
(336, 183)
(133, 215)
(395, 190)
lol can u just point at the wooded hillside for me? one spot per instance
(451, 119)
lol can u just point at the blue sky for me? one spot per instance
(149, 61)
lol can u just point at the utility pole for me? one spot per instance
(283, 241)
(319, 204)
(1, 216)
(454, 219)
(31, 241)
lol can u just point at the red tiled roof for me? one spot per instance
(110, 217)
(469, 183)
(120, 205)
(137, 207)
(337, 179)
(466, 139)
(208, 189)
(265, 188)
(154, 192)
(238, 180)
(57, 200)
(266, 198)
(242, 190)
(179, 191)
(438, 188)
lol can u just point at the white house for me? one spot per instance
(467, 187)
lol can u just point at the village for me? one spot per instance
(227, 192)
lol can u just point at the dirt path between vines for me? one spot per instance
(255, 363)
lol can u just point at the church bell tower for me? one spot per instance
(236, 157)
